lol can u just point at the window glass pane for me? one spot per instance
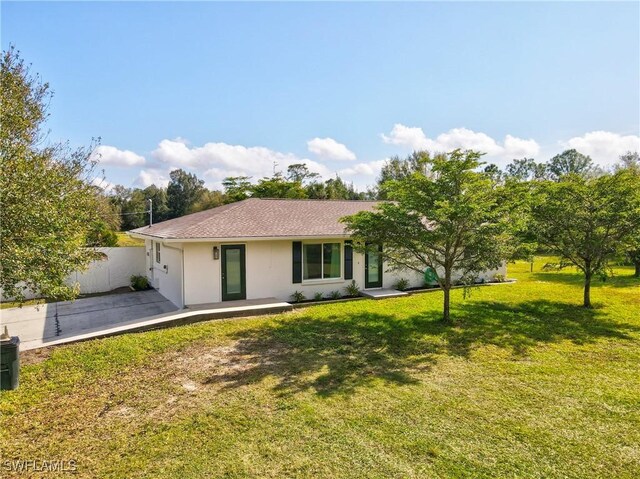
(331, 260)
(233, 271)
(312, 261)
(374, 267)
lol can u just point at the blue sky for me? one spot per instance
(226, 89)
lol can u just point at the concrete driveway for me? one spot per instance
(38, 325)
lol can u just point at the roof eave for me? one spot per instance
(235, 239)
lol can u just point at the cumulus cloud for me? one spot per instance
(464, 138)
(152, 176)
(112, 156)
(371, 168)
(216, 161)
(102, 183)
(604, 147)
(520, 148)
(330, 149)
(413, 137)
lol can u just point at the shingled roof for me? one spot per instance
(261, 218)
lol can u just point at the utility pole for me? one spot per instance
(150, 212)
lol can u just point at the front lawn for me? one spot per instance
(525, 384)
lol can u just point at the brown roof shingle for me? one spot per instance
(255, 218)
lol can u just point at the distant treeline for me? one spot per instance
(186, 193)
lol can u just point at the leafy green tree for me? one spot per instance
(569, 162)
(526, 169)
(449, 220)
(208, 199)
(337, 189)
(396, 168)
(100, 234)
(47, 203)
(132, 206)
(183, 192)
(299, 173)
(236, 188)
(587, 221)
(277, 187)
(159, 207)
(630, 162)
(633, 252)
(494, 173)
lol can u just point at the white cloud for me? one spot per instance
(112, 156)
(415, 138)
(371, 168)
(604, 147)
(330, 149)
(520, 148)
(100, 182)
(215, 161)
(152, 176)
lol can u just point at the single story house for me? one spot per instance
(261, 248)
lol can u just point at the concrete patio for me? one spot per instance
(90, 318)
(382, 293)
(40, 325)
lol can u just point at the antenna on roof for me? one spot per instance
(150, 212)
(275, 163)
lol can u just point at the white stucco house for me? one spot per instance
(262, 248)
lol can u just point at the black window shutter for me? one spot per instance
(297, 261)
(348, 260)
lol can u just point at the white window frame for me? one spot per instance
(158, 257)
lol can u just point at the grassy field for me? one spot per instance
(125, 240)
(524, 384)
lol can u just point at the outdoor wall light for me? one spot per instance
(216, 252)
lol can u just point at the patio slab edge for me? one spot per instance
(167, 320)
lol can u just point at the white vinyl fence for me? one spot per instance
(113, 271)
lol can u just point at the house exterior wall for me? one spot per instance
(201, 274)
(268, 273)
(166, 275)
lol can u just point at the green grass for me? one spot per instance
(125, 240)
(28, 302)
(526, 383)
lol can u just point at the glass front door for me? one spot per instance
(233, 273)
(373, 267)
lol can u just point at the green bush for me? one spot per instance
(318, 296)
(499, 278)
(402, 284)
(352, 289)
(298, 296)
(335, 294)
(139, 283)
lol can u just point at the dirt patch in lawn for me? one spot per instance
(213, 368)
(34, 356)
(181, 382)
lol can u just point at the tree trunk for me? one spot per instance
(446, 317)
(587, 291)
(637, 273)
